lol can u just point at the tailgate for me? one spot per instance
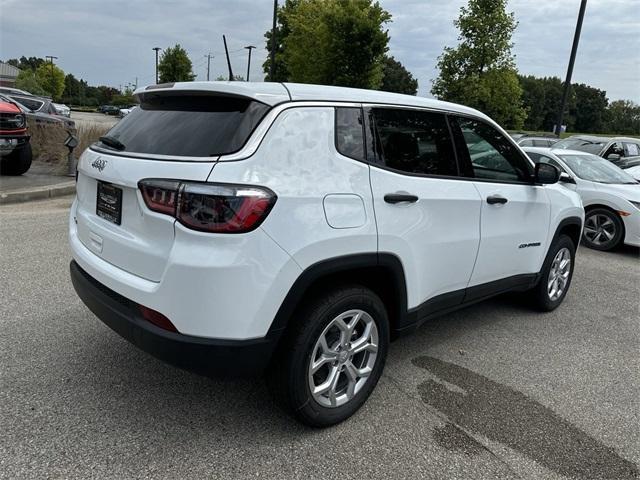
(141, 243)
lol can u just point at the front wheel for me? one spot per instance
(603, 229)
(331, 361)
(557, 273)
(17, 162)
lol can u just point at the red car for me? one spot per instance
(15, 149)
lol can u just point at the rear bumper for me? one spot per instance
(216, 357)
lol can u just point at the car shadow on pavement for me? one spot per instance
(627, 251)
(501, 414)
(138, 392)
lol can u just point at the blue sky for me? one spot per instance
(110, 41)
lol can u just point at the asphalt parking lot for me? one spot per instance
(494, 391)
(93, 118)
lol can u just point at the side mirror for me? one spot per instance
(545, 173)
(566, 178)
(613, 156)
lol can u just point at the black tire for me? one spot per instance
(288, 376)
(17, 162)
(603, 229)
(541, 297)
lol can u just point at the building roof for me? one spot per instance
(273, 93)
(8, 71)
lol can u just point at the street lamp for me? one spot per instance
(572, 59)
(249, 47)
(157, 49)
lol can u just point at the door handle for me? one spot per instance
(493, 199)
(400, 197)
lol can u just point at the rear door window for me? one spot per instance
(415, 141)
(349, 132)
(187, 125)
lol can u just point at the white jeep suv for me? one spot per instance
(295, 229)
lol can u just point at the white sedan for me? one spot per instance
(611, 197)
(634, 172)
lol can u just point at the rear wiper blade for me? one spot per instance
(112, 142)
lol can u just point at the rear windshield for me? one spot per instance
(186, 125)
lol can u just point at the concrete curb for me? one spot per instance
(38, 193)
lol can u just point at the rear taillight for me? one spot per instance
(160, 195)
(209, 207)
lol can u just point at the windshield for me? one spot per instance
(187, 125)
(589, 146)
(596, 169)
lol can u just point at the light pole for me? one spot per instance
(273, 41)
(51, 58)
(208, 57)
(249, 47)
(572, 59)
(157, 49)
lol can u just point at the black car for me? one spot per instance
(109, 109)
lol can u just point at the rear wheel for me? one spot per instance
(17, 162)
(603, 229)
(332, 359)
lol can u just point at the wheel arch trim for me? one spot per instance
(342, 264)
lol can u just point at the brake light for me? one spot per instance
(209, 207)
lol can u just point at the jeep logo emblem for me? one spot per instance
(99, 163)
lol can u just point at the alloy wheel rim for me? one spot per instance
(599, 229)
(559, 274)
(343, 358)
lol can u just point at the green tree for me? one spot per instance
(31, 63)
(589, 109)
(533, 100)
(51, 77)
(332, 42)
(623, 117)
(396, 78)
(175, 66)
(26, 80)
(480, 72)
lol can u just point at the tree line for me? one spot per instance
(346, 43)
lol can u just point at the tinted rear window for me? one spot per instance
(188, 125)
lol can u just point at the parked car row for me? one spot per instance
(15, 147)
(41, 110)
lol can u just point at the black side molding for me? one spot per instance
(391, 264)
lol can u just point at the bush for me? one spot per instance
(47, 142)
